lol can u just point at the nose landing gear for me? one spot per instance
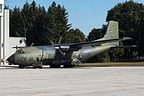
(37, 65)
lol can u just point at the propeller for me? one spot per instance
(60, 40)
(57, 46)
(32, 44)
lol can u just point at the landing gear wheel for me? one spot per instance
(54, 66)
(37, 65)
(68, 66)
(40, 67)
(21, 66)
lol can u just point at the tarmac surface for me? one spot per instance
(85, 81)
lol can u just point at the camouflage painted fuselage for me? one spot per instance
(66, 54)
(49, 55)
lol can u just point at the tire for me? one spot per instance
(54, 66)
(68, 66)
(40, 67)
(21, 66)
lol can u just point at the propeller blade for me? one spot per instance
(32, 44)
(51, 42)
(61, 52)
(60, 40)
(58, 48)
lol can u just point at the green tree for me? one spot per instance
(97, 33)
(130, 17)
(40, 26)
(57, 25)
(32, 35)
(30, 22)
(16, 30)
(74, 36)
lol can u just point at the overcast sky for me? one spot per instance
(83, 14)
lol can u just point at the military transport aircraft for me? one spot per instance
(66, 54)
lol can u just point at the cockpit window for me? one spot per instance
(20, 51)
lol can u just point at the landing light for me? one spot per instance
(2, 60)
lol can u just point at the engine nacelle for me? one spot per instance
(64, 48)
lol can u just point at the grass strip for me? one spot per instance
(108, 64)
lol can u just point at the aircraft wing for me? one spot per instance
(76, 46)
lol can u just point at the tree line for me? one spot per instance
(41, 26)
(130, 16)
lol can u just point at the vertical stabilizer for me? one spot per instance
(112, 30)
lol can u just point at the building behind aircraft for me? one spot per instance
(6, 42)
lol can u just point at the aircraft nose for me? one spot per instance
(11, 59)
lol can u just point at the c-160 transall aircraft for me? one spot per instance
(66, 54)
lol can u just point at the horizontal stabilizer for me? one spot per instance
(125, 47)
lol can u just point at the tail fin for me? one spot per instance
(112, 30)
